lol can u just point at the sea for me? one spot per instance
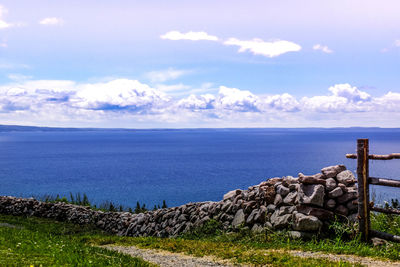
(177, 165)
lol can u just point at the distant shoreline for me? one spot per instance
(27, 128)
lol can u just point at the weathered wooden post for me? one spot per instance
(363, 188)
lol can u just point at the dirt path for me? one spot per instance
(168, 259)
(165, 258)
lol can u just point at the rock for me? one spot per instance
(232, 194)
(294, 187)
(239, 218)
(271, 208)
(257, 228)
(312, 194)
(303, 222)
(280, 222)
(330, 184)
(331, 203)
(313, 179)
(300, 235)
(337, 192)
(332, 171)
(269, 195)
(290, 199)
(278, 200)
(351, 206)
(260, 216)
(342, 210)
(273, 181)
(321, 214)
(268, 225)
(282, 190)
(377, 242)
(349, 195)
(346, 177)
(286, 210)
(250, 219)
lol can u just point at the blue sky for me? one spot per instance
(140, 64)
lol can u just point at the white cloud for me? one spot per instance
(3, 23)
(194, 102)
(349, 92)
(322, 48)
(193, 36)
(165, 75)
(267, 49)
(130, 103)
(397, 43)
(284, 102)
(3, 45)
(119, 94)
(238, 100)
(51, 21)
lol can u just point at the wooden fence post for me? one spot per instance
(363, 188)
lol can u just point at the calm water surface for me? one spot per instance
(179, 166)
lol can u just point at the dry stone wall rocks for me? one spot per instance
(301, 205)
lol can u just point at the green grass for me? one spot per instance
(47, 242)
(34, 241)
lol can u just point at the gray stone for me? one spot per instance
(239, 218)
(312, 179)
(290, 199)
(250, 219)
(337, 192)
(282, 190)
(271, 208)
(257, 228)
(300, 235)
(351, 206)
(268, 225)
(331, 203)
(312, 194)
(232, 194)
(278, 200)
(346, 177)
(332, 171)
(280, 222)
(342, 210)
(286, 210)
(260, 216)
(330, 184)
(293, 187)
(306, 223)
(349, 195)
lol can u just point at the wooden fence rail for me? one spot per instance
(363, 180)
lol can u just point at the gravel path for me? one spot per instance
(168, 259)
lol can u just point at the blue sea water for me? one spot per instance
(178, 166)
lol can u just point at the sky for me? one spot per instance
(194, 64)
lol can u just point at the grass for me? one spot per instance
(47, 242)
(43, 242)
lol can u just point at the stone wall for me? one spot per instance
(302, 205)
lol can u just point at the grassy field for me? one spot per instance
(42, 242)
(37, 241)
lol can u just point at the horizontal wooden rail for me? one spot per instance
(390, 237)
(384, 182)
(377, 157)
(387, 211)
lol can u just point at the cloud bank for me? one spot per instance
(130, 103)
